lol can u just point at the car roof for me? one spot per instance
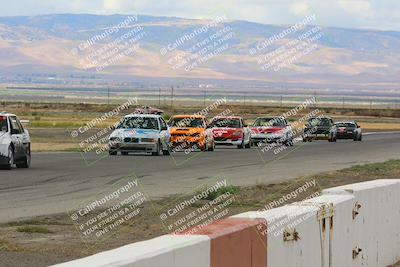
(351, 122)
(4, 113)
(313, 118)
(271, 117)
(228, 117)
(189, 116)
(143, 115)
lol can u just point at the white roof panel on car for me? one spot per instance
(4, 113)
(143, 115)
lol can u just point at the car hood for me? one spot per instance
(222, 132)
(264, 130)
(174, 130)
(135, 133)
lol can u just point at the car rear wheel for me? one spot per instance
(26, 161)
(248, 145)
(167, 151)
(242, 144)
(10, 163)
(112, 152)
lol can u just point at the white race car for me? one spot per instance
(15, 142)
(272, 130)
(140, 133)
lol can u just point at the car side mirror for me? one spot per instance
(358, 126)
(14, 131)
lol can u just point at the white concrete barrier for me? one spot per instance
(352, 225)
(374, 224)
(168, 251)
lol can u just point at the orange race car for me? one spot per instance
(190, 131)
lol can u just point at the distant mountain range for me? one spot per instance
(225, 49)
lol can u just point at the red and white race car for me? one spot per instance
(231, 131)
(272, 130)
(149, 110)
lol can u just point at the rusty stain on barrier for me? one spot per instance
(291, 235)
(356, 252)
(356, 210)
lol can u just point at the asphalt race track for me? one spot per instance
(57, 182)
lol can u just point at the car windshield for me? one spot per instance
(347, 125)
(319, 122)
(3, 124)
(187, 122)
(269, 122)
(138, 123)
(225, 123)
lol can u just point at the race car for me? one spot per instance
(149, 110)
(231, 131)
(348, 130)
(271, 130)
(320, 128)
(140, 133)
(15, 142)
(190, 131)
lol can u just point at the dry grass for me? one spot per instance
(376, 126)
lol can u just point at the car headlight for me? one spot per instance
(149, 140)
(115, 139)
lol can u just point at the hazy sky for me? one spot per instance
(376, 14)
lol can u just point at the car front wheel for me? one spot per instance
(167, 151)
(26, 161)
(158, 150)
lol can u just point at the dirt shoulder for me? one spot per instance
(47, 240)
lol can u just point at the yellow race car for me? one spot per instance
(190, 131)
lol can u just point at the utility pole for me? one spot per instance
(159, 96)
(315, 99)
(108, 95)
(172, 96)
(244, 99)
